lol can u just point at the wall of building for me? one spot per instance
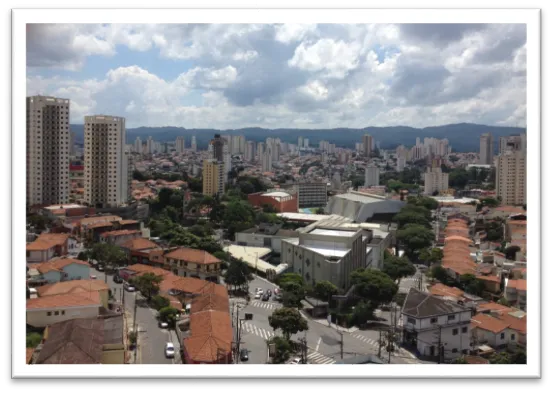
(459, 342)
(40, 318)
(287, 206)
(40, 256)
(113, 354)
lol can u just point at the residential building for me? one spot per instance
(371, 176)
(107, 182)
(512, 142)
(435, 181)
(47, 246)
(76, 287)
(227, 161)
(515, 292)
(138, 148)
(266, 163)
(306, 143)
(300, 142)
(59, 269)
(84, 341)
(180, 145)
(189, 262)
(361, 207)
(511, 177)
(436, 326)
(367, 141)
(401, 164)
(500, 329)
(324, 252)
(250, 151)
(119, 237)
(47, 310)
(486, 149)
(217, 145)
(213, 177)
(48, 150)
(260, 151)
(193, 145)
(281, 200)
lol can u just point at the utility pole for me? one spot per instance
(341, 344)
(380, 342)
(134, 327)
(439, 345)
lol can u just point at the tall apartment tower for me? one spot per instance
(260, 151)
(300, 142)
(250, 151)
(306, 143)
(512, 142)
(435, 181)
(401, 163)
(138, 145)
(266, 164)
(106, 177)
(367, 141)
(511, 177)
(47, 150)
(371, 176)
(217, 144)
(180, 146)
(213, 177)
(486, 149)
(150, 145)
(193, 145)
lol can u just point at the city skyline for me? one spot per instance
(297, 76)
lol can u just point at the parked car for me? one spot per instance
(258, 289)
(269, 292)
(276, 291)
(100, 268)
(244, 355)
(265, 298)
(129, 287)
(169, 350)
(296, 361)
(257, 295)
(117, 280)
(163, 325)
(93, 277)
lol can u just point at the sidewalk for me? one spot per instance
(332, 325)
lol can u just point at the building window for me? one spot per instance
(49, 313)
(454, 332)
(454, 350)
(502, 336)
(451, 317)
(56, 313)
(307, 261)
(433, 320)
(411, 320)
(465, 351)
(63, 312)
(513, 337)
(465, 329)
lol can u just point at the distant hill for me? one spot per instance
(462, 137)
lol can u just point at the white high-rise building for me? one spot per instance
(180, 145)
(138, 145)
(47, 150)
(306, 143)
(401, 163)
(367, 142)
(193, 145)
(250, 151)
(511, 177)
(371, 176)
(435, 180)
(106, 177)
(260, 151)
(486, 149)
(72, 141)
(300, 142)
(227, 159)
(150, 145)
(266, 164)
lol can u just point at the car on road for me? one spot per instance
(265, 298)
(169, 350)
(93, 277)
(269, 292)
(257, 295)
(100, 268)
(296, 361)
(117, 280)
(129, 287)
(259, 290)
(244, 355)
(163, 325)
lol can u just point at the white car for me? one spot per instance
(163, 325)
(258, 290)
(258, 295)
(130, 288)
(296, 361)
(93, 277)
(169, 350)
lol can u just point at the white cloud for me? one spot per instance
(351, 75)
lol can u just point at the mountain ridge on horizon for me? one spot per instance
(462, 136)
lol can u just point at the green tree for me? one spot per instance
(428, 203)
(519, 357)
(325, 290)
(459, 178)
(83, 256)
(158, 302)
(320, 210)
(33, 339)
(398, 267)
(412, 214)
(282, 351)
(39, 222)
(374, 286)
(489, 202)
(439, 273)
(460, 360)
(399, 298)
(288, 320)
(290, 277)
(363, 312)
(414, 238)
(239, 215)
(292, 294)
(238, 274)
(169, 315)
(453, 158)
(108, 254)
(502, 301)
(269, 208)
(148, 284)
(137, 175)
(471, 284)
(511, 251)
(430, 256)
(500, 358)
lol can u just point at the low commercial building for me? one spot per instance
(119, 237)
(310, 194)
(361, 207)
(265, 235)
(282, 201)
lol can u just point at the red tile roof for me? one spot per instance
(192, 255)
(489, 323)
(445, 290)
(71, 287)
(65, 300)
(520, 285)
(139, 243)
(58, 264)
(210, 338)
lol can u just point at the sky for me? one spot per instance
(229, 76)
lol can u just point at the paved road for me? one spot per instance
(151, 338)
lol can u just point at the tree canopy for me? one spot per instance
(288, 320)
(430, 256)
(471, 284)
(108, 254)
(238, 274)
(238, 216)
(148, 284)
(414, 238)
(374, 286)
(169, 315)
(413, 214)
(398, 267)
(427, 202)
(324, 290)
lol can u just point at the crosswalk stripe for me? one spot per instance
(318, 358)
